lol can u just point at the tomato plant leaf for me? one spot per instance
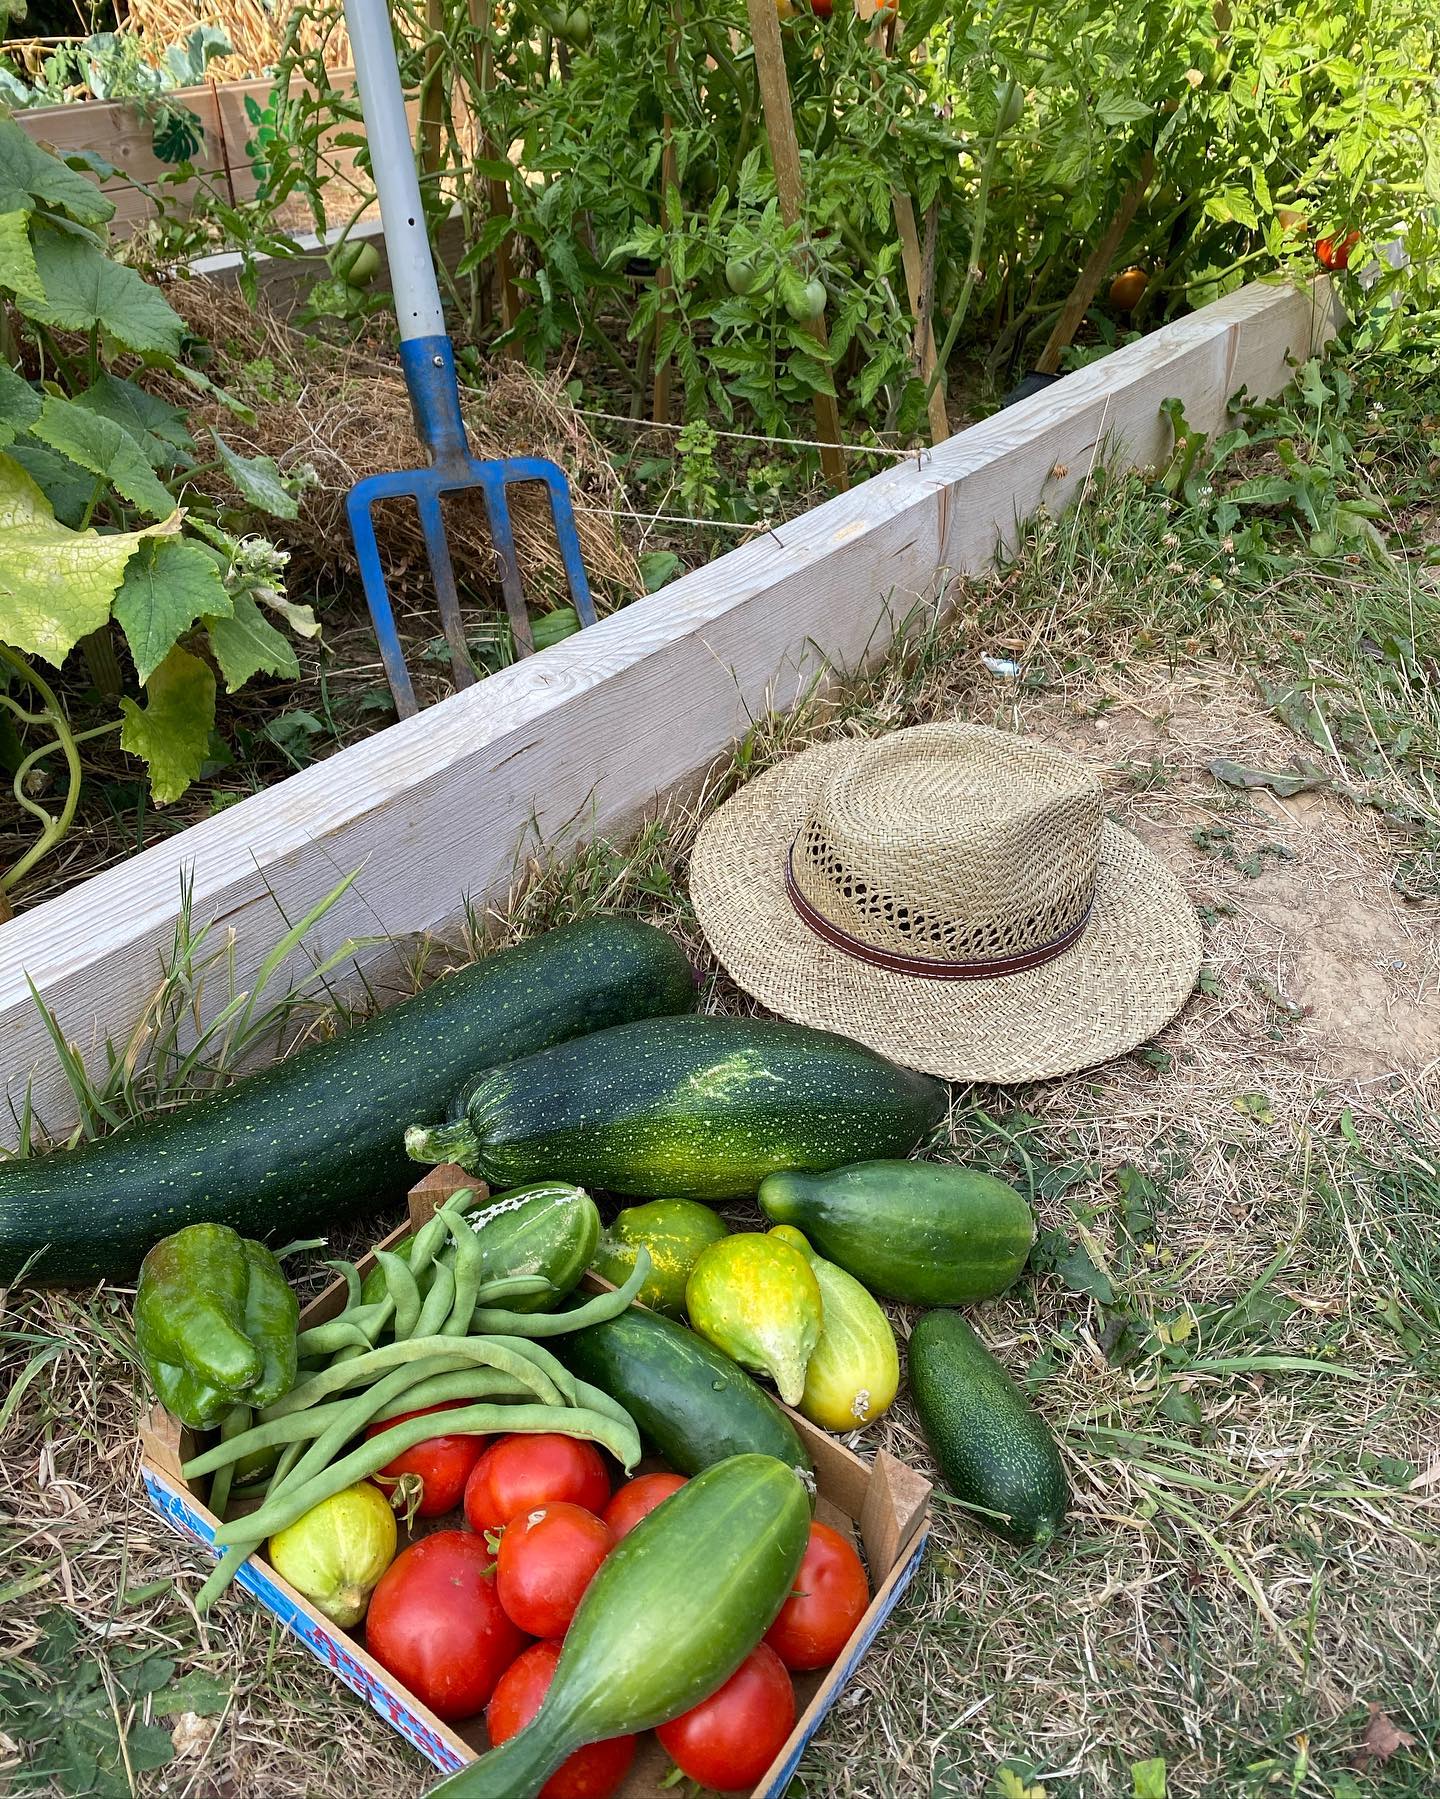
(169, 583)
(257, 480)
(171, 733)
(245, 643)
(84, 290)
(156, 426)
(98, 444)
(17, 259)
(56, 585)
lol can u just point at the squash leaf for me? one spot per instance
(84, 290)
(56, 585)
(156, 426)
(245, 643)
(168, 584)
(98, 444)
(17, 259)
(171, 734)
(257, 480)
(28, 174)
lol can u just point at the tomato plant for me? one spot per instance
(519, 1473)
(829, 1600)
(436, 1622)
(637, 1499)
(547, 1559)
(731, 1738)
(595, 1772)
(441, 1464)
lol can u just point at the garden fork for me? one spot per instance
(428, 362)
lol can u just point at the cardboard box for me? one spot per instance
(884, 1505)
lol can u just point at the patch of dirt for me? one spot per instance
(1322, 965)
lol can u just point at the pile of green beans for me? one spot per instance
(455, 1344)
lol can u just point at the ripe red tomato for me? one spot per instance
(443, 1464)
(518, 1473)
(637, 1499)
(829, 1600)
(1334, 252)
(822, 9)
(435, 1621)
(592, 1773)
(547, 1559)
(1126, 289)
(731, 1738)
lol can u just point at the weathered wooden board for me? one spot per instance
(581, 738)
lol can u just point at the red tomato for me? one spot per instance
(1334, 252)
(637, 1499)
(829, 1600)
(731, 1738)
(822, 9)
(547, 1559)
(519, 1473)
(443, 1464)
(593, 1773)
(436, 1623)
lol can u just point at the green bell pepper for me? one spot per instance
(215, 1324)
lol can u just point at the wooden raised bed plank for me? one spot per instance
(580, 739)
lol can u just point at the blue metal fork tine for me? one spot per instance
(372, 576)
(491, 478)
(432, 523)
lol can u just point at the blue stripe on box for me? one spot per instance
(776, 1787)
(322, 1643)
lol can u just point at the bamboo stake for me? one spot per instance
(785, 158)
(496, 191)
(1096, 266)
(920, 286)
(430, 108)
(669, 183)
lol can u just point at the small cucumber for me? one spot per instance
(854, 1370)
(993, 1448)
(926, 1233)
(675, 1231)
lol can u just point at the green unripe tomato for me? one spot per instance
(808, 304)
(1009, 104)
(742, 274)
(364, 267)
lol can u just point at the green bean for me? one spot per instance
(599, 1310)
(352, 1280)
(403, 1290)
(224, 1572)
(514, 1286)
(438, 1303)
(469, 1274)
(288, 1457)
(577, 1392)
(370, 1456)
(350, 1419)
(344, 1332)
(232, 1427)
(458, 1350)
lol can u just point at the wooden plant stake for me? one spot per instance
(785, 157)
(496, 191)
(669, 184)
(431, 110)
(1097, 265)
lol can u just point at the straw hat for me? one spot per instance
(950, 895)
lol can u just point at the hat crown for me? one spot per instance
(952, 842)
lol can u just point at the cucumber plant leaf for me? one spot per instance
(67, 488)
(169, 583)
(85, 291)
(28, 174)
(171, 733)
(97, 444)
(245, 643)
(257, 480)
(19, 402)
(17, 258)
(56, 585)
(157, 427)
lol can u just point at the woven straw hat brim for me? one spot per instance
(1127, 976)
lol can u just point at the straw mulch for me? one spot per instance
(343, 410)
(255, 29)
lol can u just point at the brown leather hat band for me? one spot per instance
(928, 967)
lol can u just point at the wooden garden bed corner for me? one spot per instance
(581, 739)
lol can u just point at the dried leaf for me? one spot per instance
(1383, 1738)
(1285, 783)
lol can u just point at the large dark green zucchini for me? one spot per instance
(702, 1108)
(675, 1609)
(993, 1448)
(317, 1138)
(693, 1404)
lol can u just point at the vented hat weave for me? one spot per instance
(950, 895)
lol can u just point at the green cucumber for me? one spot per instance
(992, 1447)
(927, 1233)
(676, 1232)
(316, 1140)
(697, 1107)
(550, 1229)
(691, 1402)
(676, 1607)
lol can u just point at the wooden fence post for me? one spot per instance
(785, 156)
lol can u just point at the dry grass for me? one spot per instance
(1239, 1357)
(258, 32)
